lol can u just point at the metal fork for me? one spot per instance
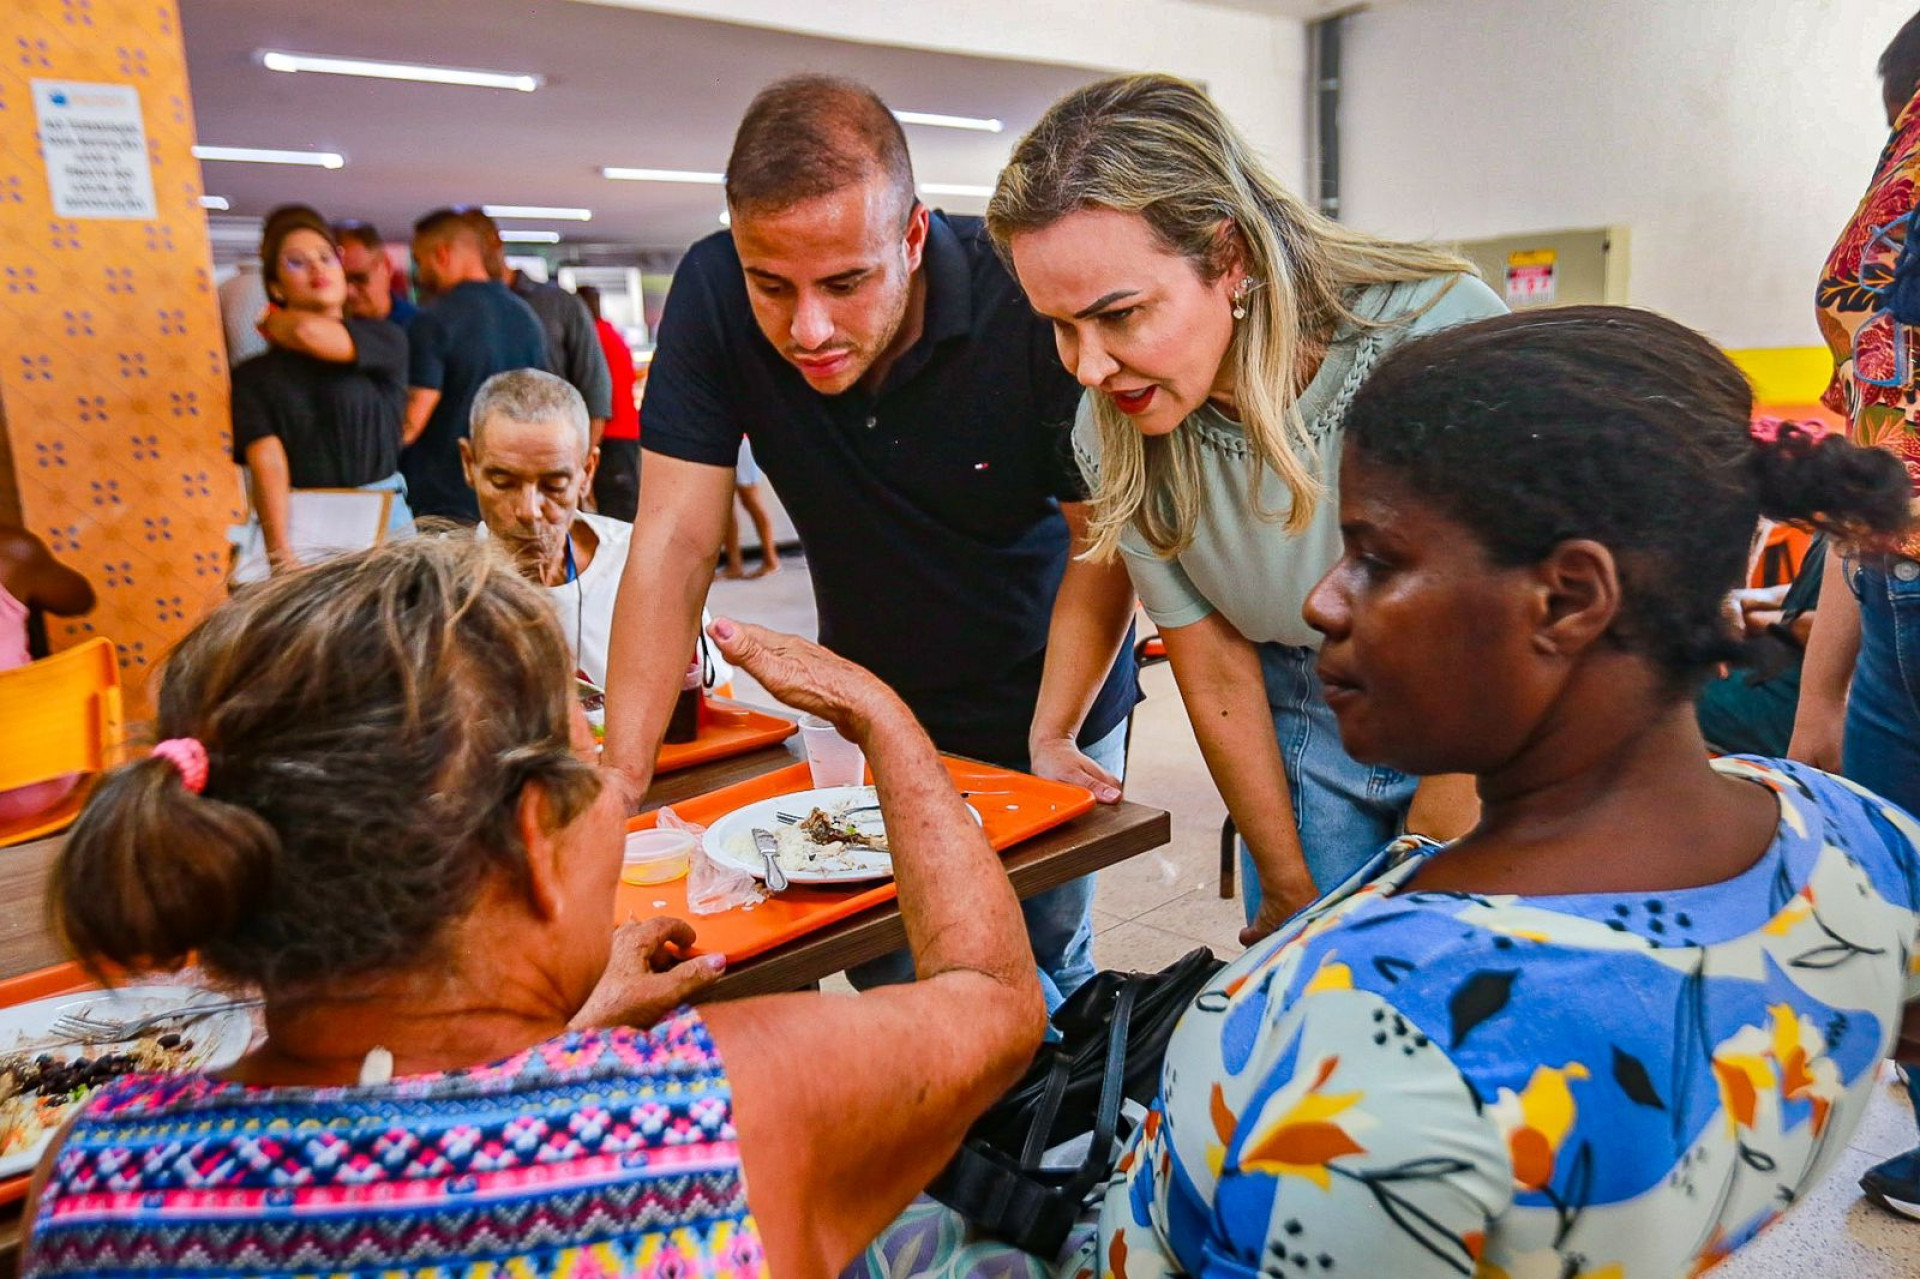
(794, 819)
(101, 1030)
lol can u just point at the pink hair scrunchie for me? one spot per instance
(1766, 430)
(188, 757)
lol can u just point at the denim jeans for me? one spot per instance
(399, 514)
(1345, 810)
(1059, 921)
(1881, 750)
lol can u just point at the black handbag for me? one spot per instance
(1114, 1032)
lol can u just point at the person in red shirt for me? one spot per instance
(616, 485)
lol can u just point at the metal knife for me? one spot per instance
(769, 848)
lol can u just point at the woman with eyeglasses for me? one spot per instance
(1860, 687)
(322, 408)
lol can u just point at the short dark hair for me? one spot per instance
(355, 231)
(1900, 62)
(492, 247)
(1625, 427)
(444, 224)
(591, 296)
(811, 135)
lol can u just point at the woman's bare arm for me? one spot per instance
(848, 1106)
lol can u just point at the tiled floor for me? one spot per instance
(1151, 910)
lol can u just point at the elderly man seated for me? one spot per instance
(530, 461)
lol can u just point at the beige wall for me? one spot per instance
(1732, 138)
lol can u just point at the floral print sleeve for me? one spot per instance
(1876, 384)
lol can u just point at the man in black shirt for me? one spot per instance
(912, 414)
(474, 329)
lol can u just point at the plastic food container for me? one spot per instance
(656, 856)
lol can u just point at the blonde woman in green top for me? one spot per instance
(1221, 328)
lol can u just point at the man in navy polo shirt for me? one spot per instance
(913, 415)
(473, 329)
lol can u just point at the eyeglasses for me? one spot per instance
(1879, 348)
(297, 262)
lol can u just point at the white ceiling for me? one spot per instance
(623, 87)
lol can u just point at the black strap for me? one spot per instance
(1047, 1111)
(1113, 1088)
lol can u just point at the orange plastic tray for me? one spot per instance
(726, 729)
(61, 979)
(1013, 807)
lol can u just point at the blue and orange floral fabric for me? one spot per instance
(598, 1155)
(1613, 1086)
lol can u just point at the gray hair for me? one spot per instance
(530, 395)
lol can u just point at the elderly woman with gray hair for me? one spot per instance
(376, 803)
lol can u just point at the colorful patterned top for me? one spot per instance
(1423, 1083)
(601, 1153)
(1875, 382)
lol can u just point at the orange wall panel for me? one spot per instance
(113, 374)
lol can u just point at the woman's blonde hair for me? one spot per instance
(1158, 147)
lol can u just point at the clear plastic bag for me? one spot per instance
(711, 888)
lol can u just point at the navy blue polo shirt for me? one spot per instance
(472, 332)
(929, 511)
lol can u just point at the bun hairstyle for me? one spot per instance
(1624, 427)
(370, 724)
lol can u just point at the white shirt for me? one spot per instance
(243, 300)
(585, 605)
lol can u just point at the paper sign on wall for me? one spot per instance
(95, 144)
(1530, 277)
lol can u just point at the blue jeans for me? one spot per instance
(1345, 810)
(1059, 921)
(399, 514)
(1881, 750)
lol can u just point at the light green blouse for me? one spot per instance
(1247, 568)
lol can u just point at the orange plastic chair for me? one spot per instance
(1780, 558)
(58, 716)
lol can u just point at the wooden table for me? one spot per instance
(1107, 835)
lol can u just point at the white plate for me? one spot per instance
(729, 841)
(219, 1040)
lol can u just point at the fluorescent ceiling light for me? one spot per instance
(664, 175)
(520, 80)
(530, 237)
(258, 155)
(536, 211)
(974, 123)
(215, 202)
(954, 188)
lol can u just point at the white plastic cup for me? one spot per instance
(833, 760)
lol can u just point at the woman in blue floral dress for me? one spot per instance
(1634, 1015)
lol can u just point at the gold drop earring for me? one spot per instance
(1240, 292)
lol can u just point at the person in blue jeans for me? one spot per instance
(1219, 328)
(905, 403)
(1860, 687)
(1881, 751)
